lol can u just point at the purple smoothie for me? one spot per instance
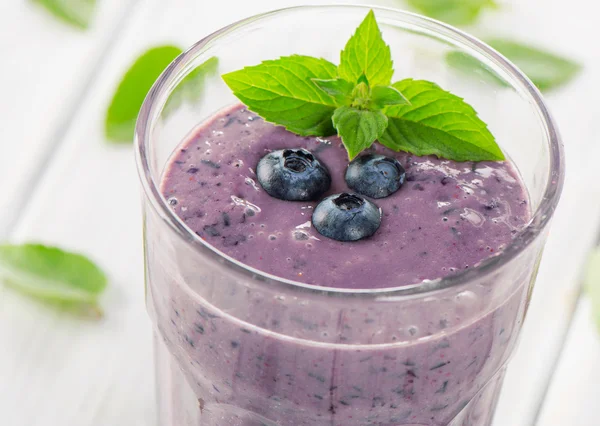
(265, 358)
(447, 217)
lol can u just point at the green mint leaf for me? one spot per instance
(546, 70)
(77, 13)
(358, 128)
(382, 96)
(438, 123)
(190, 88)
(472, 67)
(282, 92)
(52, 275)
(122, 113)
(339, 89)
(592, 283)
(455, 12)
(366, 53)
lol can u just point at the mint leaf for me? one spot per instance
(455, 12)
(339, 89)
(366, 53)
(127, 100)
(190, 88)
(472, 67)
(437, 123)
(382, 96)
(282, 92)
(77, 13)
(52, 275)
(592, 283)
(358, 128)
(546, 70)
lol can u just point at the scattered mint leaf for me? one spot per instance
(282, 92)
(472, 67)
(190, 88)
(592, 283)
(546, 70)
(455, 12)
(339, 89)
(437, 123)
(382, 96)
(77, 13)
(52, 275)
(358, 128)
(127, 100)
(366, 53)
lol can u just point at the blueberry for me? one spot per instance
(293, 175)
(346, 217)
(375, 176)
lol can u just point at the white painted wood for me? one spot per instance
(46, 67)
(575, 390)
(56, 371)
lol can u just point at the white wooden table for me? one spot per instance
(63, 184)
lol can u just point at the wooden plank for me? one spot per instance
(573, 395)
(46, 68)
(65, 372)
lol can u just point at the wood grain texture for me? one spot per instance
(47, 67)
(59, 372)
(573, 395)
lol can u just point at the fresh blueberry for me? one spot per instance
(375, 176)
(293, 175)
(346, 217)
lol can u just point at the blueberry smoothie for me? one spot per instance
(447, 216)
(257, 355)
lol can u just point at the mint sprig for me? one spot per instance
(52, 275)
(313, 97)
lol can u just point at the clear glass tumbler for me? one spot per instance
(238, 347)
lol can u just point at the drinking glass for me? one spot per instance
(236, 346)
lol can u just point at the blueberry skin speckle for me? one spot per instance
(293, 175)
(375, 176)
(346, 217)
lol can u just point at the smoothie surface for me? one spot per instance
(448, 216)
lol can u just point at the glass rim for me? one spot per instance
(536, 225)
